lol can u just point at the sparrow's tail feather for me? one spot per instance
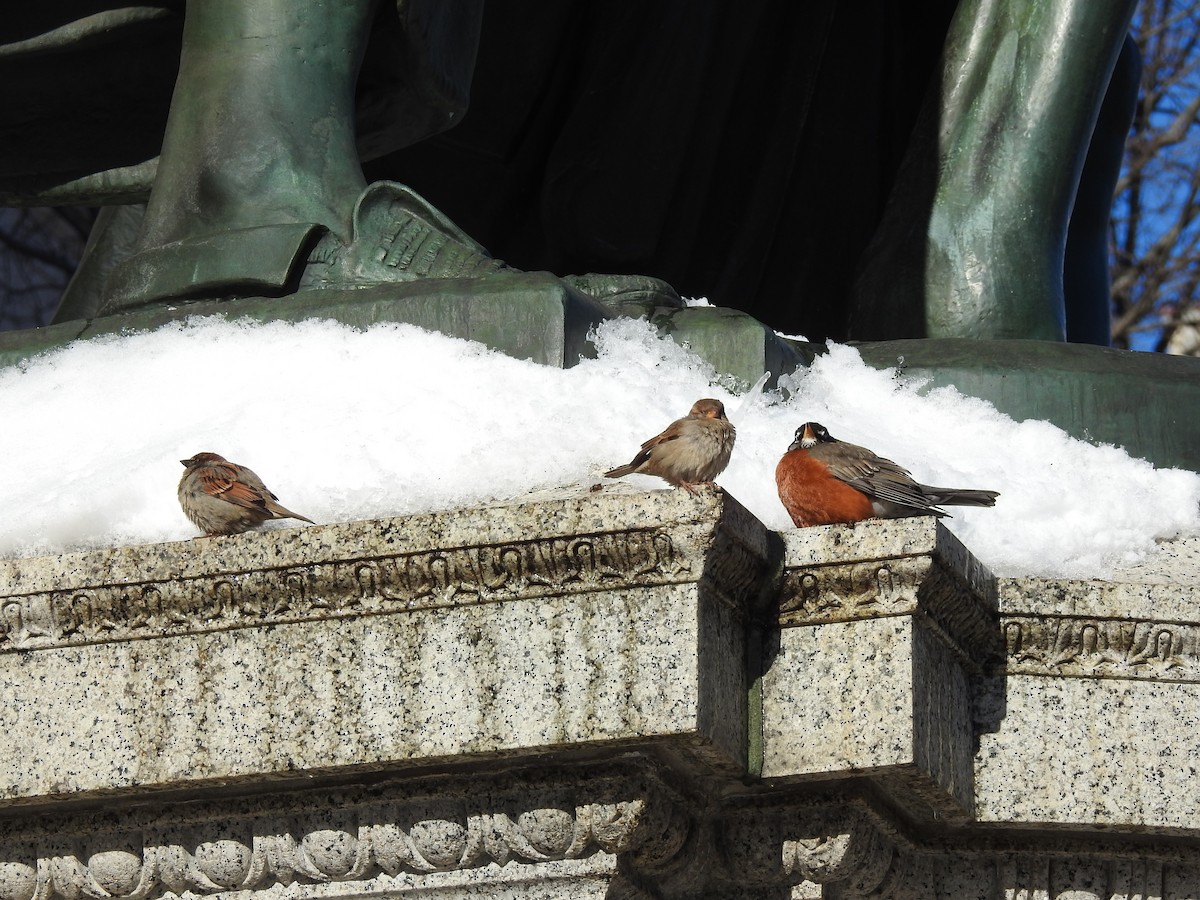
(620, 470)
(282, 512)
(959, 497)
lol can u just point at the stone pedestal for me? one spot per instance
(618, 695)
(1101, 687)
(881, 631)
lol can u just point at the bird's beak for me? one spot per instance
(185, 462)
(804, 438)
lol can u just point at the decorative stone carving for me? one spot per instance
(869, 571)
(857, 857)
(640, 696)
(338, 840)
(801, 845)
(1077, 647)
(354, 587)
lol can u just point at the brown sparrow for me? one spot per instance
(221, 497)
(692, 450)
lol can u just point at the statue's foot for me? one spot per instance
(396, 237)
(632, 295)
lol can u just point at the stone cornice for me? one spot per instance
(346, 836)
(356, 586)
(377, 567)
(1092, 629)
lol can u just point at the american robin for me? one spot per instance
(690, 451)
(823, 481)
(221, 497)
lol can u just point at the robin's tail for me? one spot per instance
(955, 497)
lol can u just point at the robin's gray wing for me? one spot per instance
(878, 478)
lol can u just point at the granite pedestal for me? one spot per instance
(617, 694)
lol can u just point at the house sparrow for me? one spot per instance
(822, 481)
(691, 451)
(221, 497)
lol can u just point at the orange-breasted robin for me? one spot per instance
(690, 451)
(823, 481)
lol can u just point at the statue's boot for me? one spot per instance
(396, 237)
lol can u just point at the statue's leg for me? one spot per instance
(259, 190)
(1086, 281)
(259, 154)
(259, 179)
(261, 128)
(972, 244)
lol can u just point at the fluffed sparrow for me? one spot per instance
(690, 451)
(221, 497)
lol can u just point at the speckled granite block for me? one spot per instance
(882, 623)
(554, 699)
(607, 620)
(1092, 718)
(1175, 561)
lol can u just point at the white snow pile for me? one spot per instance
(347, 424)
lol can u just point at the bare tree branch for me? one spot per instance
(1155, 227)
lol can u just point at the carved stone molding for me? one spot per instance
(848, 849)
(354, 587)
(1029, 875)
(856, 591)
(1093, 647)
(781, 844)
(828, 580)
(852, 852)
(342, 841)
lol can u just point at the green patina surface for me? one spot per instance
(1147, 403)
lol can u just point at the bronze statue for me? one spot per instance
(642, 139)
(259, 189)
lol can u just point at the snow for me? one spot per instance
(346, 424)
